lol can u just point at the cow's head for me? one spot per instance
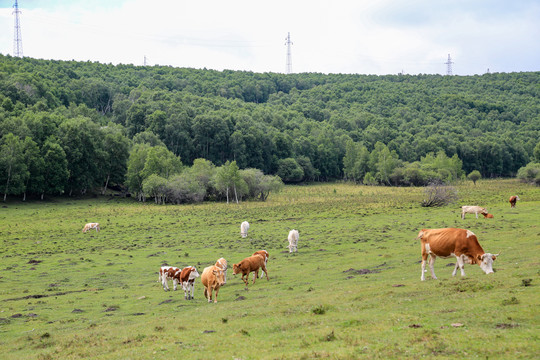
(486, 262)
(220, 276)
(236, 269)
(194, 273)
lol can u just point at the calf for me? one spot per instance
(90, 226)
(473, 210)
(249, 264)
(513, 200)
(448, 242)
(212, 279)
(293, 240)
(265, 256)
(187, 278)
(167, 273)
(488, 216)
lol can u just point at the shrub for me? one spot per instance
(439, 194)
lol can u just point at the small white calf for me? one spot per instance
(90, 226)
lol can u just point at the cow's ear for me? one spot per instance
(494, 257)
(479, 257)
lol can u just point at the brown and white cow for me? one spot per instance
(473, 210)
(212, 278)
(167, 273)
(222, 264)
(448, 242)
(249, 264)
(187, 278)
(90, 226)
(265, 256)
(488, 216)
(513, 200)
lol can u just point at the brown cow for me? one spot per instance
(513, 200)
(488, 216)
(460, 243)
(249, 264)
(212, 279)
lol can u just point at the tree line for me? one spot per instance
(67, 127)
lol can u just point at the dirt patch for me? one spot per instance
(165, 302)
(505, 326)
(76, 311)
(39, 296)
(240, 298)
(362, 271)
(415, 326)
(33, 261)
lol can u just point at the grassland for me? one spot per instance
(352, 291)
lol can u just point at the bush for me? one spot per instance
(439, 194)
(530, 173)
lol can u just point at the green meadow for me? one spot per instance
(352, 291)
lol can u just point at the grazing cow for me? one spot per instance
(265, 256)
(513, 200)
(488, 216)
(244, 227)
(473, 210)
(222, 264)
(212, 278)
(187, 277)
(448, 242)
(249, 264)
(90, 226)
(293, 240)
(167, 273)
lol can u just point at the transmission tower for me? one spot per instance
(289, 57)
(449, 65)
(17, 38)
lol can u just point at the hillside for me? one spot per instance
(491, 122)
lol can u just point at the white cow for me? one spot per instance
(293, 240)
(473, 210)
(187, 277)
(90, 226)
(244, 227)
(169, 273)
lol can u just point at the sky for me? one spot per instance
(339, 36)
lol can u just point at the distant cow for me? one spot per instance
(513, 200)
(488, 216)
(222, 264)
(249, 264)
(90, 226)
(448, 242)
(187, 278)
(244, 227)
(293, 240)
(265, 256)
(473, 210)
(212, 279)
(167, 273)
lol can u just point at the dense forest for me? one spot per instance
(67, 127)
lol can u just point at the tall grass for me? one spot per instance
(352, 291)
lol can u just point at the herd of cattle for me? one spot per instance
(447, 242)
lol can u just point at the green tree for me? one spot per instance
(116, 154)
(13, 169)
(474, 176)
(290, 171)
(228, 179)
(56, 167)
(35, 182)
(155, 186)
(162, 162)
(135, 166)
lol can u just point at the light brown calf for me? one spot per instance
(249, 264)
(90, 226)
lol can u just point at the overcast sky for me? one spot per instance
(339, 36)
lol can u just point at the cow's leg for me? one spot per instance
(265, 272)
(165, 283)
(215, 299)
(192, 291)
(255, 275)
(209, 297)
(432, 266)
(461, 263)
(175, 283)
(476, 215)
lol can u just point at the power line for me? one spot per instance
(289, 56)
(449, 65)
(17, 37)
